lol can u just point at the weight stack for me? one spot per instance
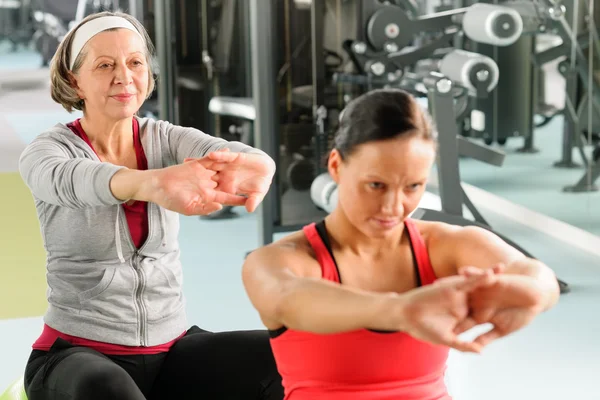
(509, 108)
(508, 111)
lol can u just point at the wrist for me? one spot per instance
(131, 184)
(147, 186)
(389, 312)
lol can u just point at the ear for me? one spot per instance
(334, 164)
(75, 85)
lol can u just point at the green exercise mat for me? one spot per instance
(22, 255)
(16, 391)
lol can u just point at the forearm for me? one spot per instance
(544, 277)
(193, 143)
(324, 307)
(130, 184)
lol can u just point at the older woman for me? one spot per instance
(108, 190)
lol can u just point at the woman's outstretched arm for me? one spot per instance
(284, 285)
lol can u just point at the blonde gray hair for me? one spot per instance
(61, 88)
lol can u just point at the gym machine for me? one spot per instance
(450, 78)
(505, 32)
(52, 19)
(378, 16)
(286, 84)
(204, 55)
(16, 22)
(581, 69)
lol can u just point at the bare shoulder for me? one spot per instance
(292, 252)
(452, 246)
(441, 233)
(448, 245)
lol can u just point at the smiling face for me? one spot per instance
(113, 78)
(381, 182)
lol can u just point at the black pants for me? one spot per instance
(201, 365)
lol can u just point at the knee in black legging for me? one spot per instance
(106, 383)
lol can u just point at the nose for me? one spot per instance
(123, 74)
(393, 203)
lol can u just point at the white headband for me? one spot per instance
(91, 28)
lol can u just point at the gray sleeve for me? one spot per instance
(193, 143)
(55, 177)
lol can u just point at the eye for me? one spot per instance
(137, 63)
(376, 185)
(104, 66)
(414, 187)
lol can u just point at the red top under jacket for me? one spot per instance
(137, 220)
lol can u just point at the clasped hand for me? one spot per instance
(204, 185)
(453, 305)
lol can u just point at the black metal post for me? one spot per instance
(441, 104)
(264, 93)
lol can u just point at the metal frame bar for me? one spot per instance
(244, 26)
(136, 8)
(441, 106)
(481, 153)
(451, 146)
(264, 92)
(317, 22)
(166, 61)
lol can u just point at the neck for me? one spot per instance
(341, 230)
(110, 137)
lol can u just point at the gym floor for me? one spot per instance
(556, 357)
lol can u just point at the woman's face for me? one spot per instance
(113, 79)
(382, 182)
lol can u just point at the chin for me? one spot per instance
(377, 230)
(123, 113)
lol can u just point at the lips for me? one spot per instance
(123, 97)
(386, 223)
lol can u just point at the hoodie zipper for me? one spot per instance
(140, 279)
(140, 303)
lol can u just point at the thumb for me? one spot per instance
(466, 284)
(471, 271)
(470, 347)
(224, 155)
(488, 337)
(254, 201)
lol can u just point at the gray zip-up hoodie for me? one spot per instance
(100, 287)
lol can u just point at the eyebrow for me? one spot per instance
(379, 178)
(107, 56)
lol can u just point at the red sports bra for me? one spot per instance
(362, 364)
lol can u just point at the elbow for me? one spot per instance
(264, 293)
(288, 307)
(546, 280)
(280, 306)
(554, 287)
